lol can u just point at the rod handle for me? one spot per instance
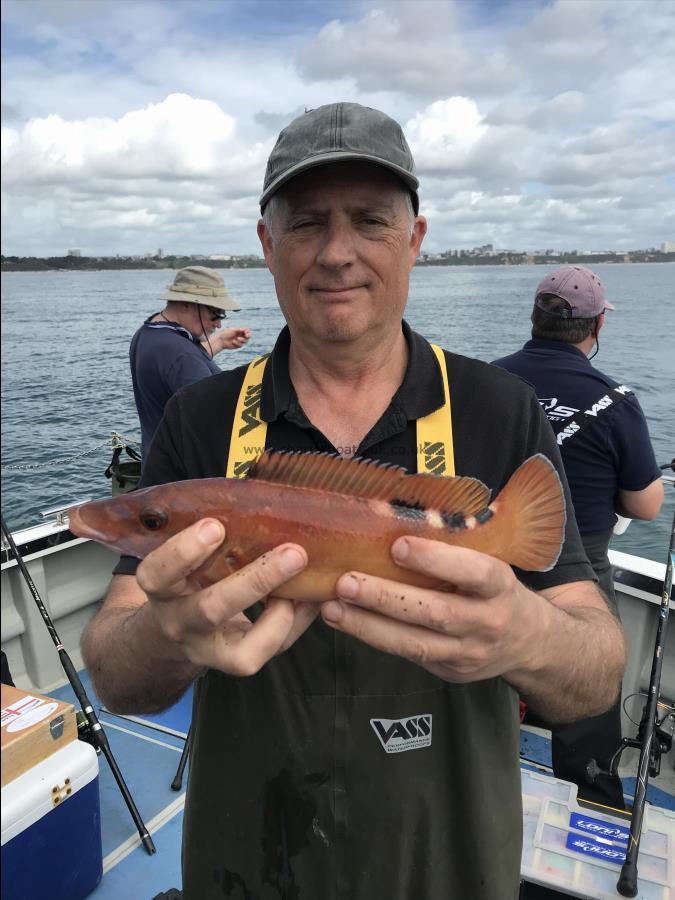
(627, 883)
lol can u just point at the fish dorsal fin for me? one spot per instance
(458, 494)
(370, 480)
(327, 472)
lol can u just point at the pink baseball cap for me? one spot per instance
(580, 287)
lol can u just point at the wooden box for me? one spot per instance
(33, 727)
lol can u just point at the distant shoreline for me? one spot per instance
(87, 264)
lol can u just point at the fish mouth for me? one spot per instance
(83, 529)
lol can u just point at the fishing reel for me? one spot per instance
(661, 743)
(84, 730)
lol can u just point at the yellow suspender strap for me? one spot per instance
(247, 441)
(435, 452)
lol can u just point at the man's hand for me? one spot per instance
(561, 648)
(208, 625)
(474, 627)
(230, 339)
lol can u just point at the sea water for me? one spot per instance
(66, 382)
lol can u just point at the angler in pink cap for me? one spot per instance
(610, 465)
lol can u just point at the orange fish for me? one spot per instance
(345, 513)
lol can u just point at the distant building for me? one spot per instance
(668, 247)
(160, 253)
(224, 257)
(75, 253)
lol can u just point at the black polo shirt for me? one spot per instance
(338, 771)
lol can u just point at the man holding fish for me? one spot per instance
(358, 636)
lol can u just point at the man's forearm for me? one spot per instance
(576, 666)
(133, 666)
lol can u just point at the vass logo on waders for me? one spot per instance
(398, 735)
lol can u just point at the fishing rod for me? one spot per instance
(177, 782)
(96, 734)
(650, 740)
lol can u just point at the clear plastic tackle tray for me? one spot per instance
(580, 851)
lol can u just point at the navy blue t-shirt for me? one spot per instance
(163, 357)
(614, 453)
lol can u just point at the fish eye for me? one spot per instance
(153, 519)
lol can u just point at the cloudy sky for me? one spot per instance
(129, 125)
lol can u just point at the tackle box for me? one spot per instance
(33, 726)
(579, 851)
(51, 827)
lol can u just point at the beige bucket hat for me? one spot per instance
(199, 284)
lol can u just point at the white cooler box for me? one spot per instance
(51, 828)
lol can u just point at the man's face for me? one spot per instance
(340, 247)
(204, 320)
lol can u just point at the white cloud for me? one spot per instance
(167, 166)
(180, 137)
(413, 48)
(443, 135)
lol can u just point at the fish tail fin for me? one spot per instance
(531, 512)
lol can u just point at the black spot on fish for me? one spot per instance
(453, 521)
(405, 510)
(484, 515)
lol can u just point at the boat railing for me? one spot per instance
(60, 513)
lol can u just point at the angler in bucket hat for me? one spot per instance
(355, 714)
(175, 347)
